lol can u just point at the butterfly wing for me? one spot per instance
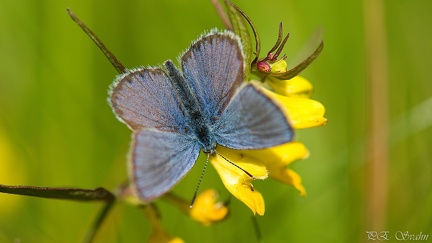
(162, 153)
(159, 160)
(144, 97)
(252, 121)
(214, 66)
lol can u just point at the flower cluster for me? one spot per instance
(293, 96)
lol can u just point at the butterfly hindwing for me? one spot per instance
(159, 160)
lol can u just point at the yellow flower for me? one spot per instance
(302, 113)
(206, 210)
(277, 160)
(237, 181)
(279, 66)
(295, 87)
(259, 163)
(293, 97)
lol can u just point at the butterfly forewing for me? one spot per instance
(214, 67)
(144, 97)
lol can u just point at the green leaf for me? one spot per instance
(239, 22)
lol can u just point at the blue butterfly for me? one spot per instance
(176, 114)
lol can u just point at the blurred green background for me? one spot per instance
(56, 128)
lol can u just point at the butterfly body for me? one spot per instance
(176, 114)
(197, 125)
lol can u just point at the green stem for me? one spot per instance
(108, 54)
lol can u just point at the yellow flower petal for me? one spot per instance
(279, 66)
(297, 86)
(302, 113)
(237, 181)
(281, 155)
(289, 177)
(278, 158)
(206, 210)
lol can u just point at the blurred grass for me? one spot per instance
(56, 128)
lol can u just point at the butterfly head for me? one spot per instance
(210, 148)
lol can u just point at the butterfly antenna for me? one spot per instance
(247, 173)
(199, 182)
